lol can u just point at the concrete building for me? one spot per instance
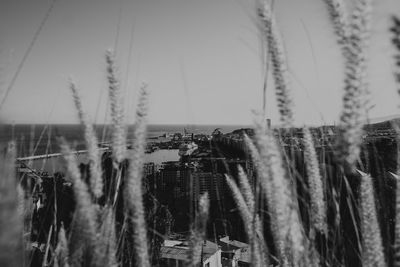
(174, 253)
(234, 253)
(149, 169)
(213, 183)
(174, 178)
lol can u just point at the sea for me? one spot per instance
(42, 139)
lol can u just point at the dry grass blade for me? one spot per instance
(372, 252)
(11, 221)
(117, 110)
(96, 179)
(317, 199)
(198, 232)
(133, 189)
(279, 64)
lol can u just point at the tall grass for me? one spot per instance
(83, 238)
(269, 29)
(395, 29)
(315, 183)
(372, 253)
(353, 36)
(117, 108)
(96, 181)
(396, 42)
(91, 239)
(279, 201)
(133, 189)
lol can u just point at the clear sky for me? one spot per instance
(201, 59)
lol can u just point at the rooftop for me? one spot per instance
(178, 250)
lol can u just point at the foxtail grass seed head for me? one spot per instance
(340, 20)
(315, 184)
(276, 186)
(11, 222)
(279, 64)
(133, 189)
(96, 179)
(117, 110)
(355, 97)
(61, 252)
(395, 29)
(362, 21)
(20, 201)
(372, 250)
(397, 207)
(245, 189)
(85, 211)
(353, 34)
(251, 221)
(198, 232)
(254, 154)
(77, 100)
(260, 156)
(397, 221)
(107, 240)
(242, 206)
(289, 235)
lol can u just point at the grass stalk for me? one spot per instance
(133, 188)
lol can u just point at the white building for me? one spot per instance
(175, 253)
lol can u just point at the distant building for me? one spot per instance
(149, 169)
(213, 183)
(186, 149)
(234, 253)
(174, 178)
(175, 253)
